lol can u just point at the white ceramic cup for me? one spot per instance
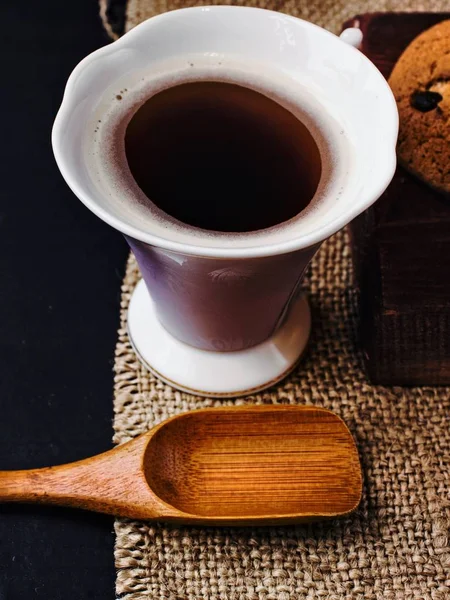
(221, 314)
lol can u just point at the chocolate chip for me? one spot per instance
(425, 101)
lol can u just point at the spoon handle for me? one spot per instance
(111, 483)
(83, 484)
(47, 485)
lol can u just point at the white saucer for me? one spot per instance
(218, 374)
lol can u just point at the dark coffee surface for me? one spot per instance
(222, 157)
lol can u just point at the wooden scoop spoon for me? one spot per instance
(245, 465)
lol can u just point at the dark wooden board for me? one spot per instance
(401, 247)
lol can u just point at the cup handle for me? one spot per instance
(352, 36)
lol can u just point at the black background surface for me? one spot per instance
(61, 270)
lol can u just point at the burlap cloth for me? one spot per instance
(395, 546)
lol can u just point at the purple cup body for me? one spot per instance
(220, 304)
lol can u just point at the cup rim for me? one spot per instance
(261, 250)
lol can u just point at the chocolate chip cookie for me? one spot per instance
(421, 85)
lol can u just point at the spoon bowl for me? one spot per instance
(245, 465)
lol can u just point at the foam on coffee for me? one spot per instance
(109, 168)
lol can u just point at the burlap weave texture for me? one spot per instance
(395, 546)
